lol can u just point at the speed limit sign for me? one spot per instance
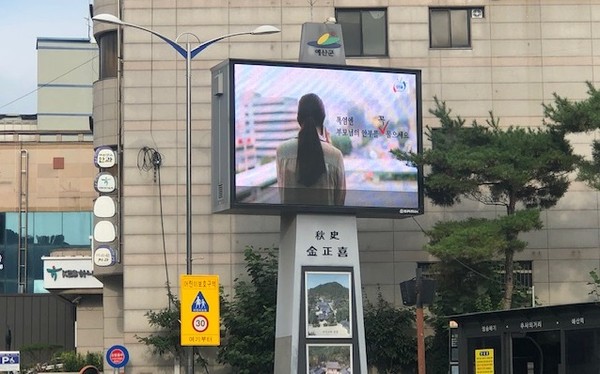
(200, 323)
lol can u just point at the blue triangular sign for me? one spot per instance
(199, 304)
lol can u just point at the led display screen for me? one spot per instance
(367, 113)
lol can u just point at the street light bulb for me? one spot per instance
(264, 30)
(107, 18)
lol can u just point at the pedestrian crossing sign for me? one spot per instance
(199, 305)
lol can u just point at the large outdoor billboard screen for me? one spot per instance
(263, 162)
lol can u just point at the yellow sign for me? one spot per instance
(484, 361)
(200, 317)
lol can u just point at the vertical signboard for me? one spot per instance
(200, 315)
(106, 211)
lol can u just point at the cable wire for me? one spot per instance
(150, 159)
(47, 83)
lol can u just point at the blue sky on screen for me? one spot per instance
(21, 23)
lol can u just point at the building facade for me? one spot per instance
(46, 184)
(505, 56)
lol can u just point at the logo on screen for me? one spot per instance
(327, 40)
(400, 86)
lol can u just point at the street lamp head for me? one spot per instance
(264, 30)
(107, 18)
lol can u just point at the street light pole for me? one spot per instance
(188, 53)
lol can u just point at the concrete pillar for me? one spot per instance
(319, 296)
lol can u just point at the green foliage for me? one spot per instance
(494, 165)
(480, 239)
(249, 317)
(35, 354)
(512, 167)
(436, 347)
(167, 340)
(579, 117)
(390, 336)
(73, 361)
(595, 283)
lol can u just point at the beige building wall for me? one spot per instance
(66, 70)
(522, 52)
(59, 176)
(90, 324)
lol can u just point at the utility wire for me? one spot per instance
(48, 83)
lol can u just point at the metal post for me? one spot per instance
(188, 179)
(420, 324)
(188, 165)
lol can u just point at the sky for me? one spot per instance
(21, 23)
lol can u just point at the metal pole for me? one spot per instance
(188, 179)
(420, 325)
(188, 150)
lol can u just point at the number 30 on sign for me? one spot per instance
(200, 323)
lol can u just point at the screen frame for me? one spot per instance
(236, 206)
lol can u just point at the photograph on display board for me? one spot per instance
(328, 304)
(322, 136)
(329, 358)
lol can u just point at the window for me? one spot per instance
(107, 44)
(46, 232)
(450, 27)
(364, 31)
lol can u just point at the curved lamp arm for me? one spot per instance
(109, 18)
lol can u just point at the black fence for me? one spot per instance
(35, 321)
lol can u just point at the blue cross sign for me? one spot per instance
(199, 305)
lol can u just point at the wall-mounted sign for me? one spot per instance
(104, 232)
(104, 207)
(69, 272)
(484, 361)
(105, 183)
(322, 43)
(105, 256)
(104, 157)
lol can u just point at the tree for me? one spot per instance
(167, 340)
(390, 337)
(249, 317)
(519, 169)
(579, 117)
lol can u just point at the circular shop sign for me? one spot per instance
(117, 356)
(200, 323)
(105, 183)
(104, 157)
(105, 256)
